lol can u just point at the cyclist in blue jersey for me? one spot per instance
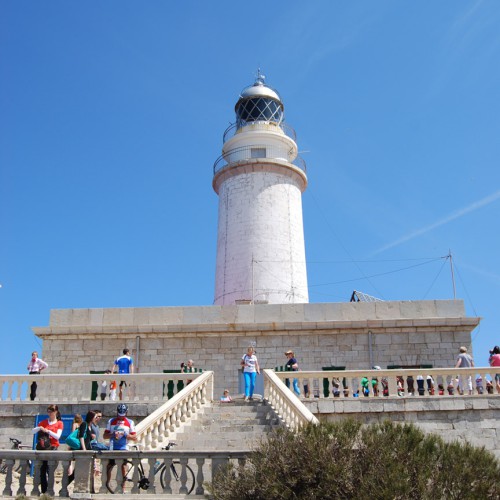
(125, 364)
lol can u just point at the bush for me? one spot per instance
(347, 461)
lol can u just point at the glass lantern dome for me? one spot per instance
(259, 103)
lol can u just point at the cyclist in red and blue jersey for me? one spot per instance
(119, 431)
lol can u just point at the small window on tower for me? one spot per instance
(258, 152)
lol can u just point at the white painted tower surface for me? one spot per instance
(260, 179)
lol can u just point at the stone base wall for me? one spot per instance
(354, 335)
(473, 419)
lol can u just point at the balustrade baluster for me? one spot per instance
(151, 476)
(200, 479)
(104, 475)
(16, 396)
(52, 464)
(7, 491)
(35, 492)
(161, 430)
(65, 479)
(167, 476)
(150, 438)
(21, 490)
(135, 476)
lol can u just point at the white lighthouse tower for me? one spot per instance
(260, 179)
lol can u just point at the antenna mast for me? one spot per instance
(452, 275)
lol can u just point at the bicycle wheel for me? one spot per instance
(175, 483)
(111, 477)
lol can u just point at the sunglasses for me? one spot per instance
(51, 410)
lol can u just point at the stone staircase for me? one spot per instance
(237, 425)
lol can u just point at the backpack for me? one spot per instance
(43, 442)
(73, 441)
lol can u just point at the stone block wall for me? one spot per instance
(354, 335)
(474, 419)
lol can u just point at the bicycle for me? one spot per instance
(143, 481)
(16, 445)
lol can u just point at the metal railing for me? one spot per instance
(234, 129)
(256, 152)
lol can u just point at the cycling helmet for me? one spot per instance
(122, 409)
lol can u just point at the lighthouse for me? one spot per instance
(259, 179)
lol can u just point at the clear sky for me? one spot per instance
(112, 114)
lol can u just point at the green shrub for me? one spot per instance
(347, 461)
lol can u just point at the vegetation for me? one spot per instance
(348, 461)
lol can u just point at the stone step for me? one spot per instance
(225, 426)
(230, 422)
(218, 437)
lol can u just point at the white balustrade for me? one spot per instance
(285, 403)
(425, 382)
(157, 427)
(149, 463)
(77, 387)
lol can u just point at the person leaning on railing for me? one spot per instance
(495, 361)
(35, 367)
(464, 360)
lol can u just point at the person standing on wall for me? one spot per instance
(125, 365)
(250, 370)
(35, 367)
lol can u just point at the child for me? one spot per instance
(489, 387)
(430, 385)
(336, 387)
(441, 389)
(401, 386)
(365, 386)
(226, 398)
(479, 385)
(112, 390)
(104, 386)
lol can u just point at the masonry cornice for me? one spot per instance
(423, 325)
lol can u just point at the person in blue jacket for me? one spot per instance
(124, 364)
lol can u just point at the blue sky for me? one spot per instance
(112, 114)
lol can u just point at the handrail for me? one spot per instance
(168, 418)
(245, 153)
(399, 382)
(233, 129)
(288, 406)
(77, 387)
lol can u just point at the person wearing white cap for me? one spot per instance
(292, 365)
